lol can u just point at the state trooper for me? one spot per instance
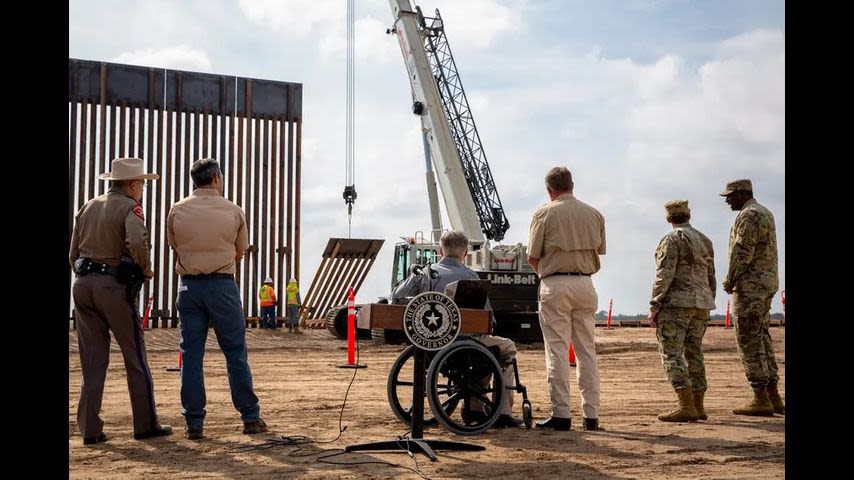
(110, 256)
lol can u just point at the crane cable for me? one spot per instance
(350, 185)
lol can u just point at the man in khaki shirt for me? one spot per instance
(564, 243)
(209, 235)
(109, 237)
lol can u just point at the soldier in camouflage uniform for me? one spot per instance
(682, 295)
(752, 281)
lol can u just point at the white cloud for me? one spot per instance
(181, 58)
(759, 44)
(729, 118)
(475, 24)
(295, 16)
(660, 79)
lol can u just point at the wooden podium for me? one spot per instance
(383, 315)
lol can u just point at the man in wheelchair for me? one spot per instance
(453, 247)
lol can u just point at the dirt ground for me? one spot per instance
(301, 393)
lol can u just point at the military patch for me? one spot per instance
(138, 211)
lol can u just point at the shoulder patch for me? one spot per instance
(138, 211)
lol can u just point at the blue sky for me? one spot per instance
(644, 100)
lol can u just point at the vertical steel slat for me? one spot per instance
(297, 190)
(169, 287)
(256, 208)
(81, 183)
(156, 145)
(102, 130)
(284, 268)
(290, 244)
(275, 194)
(266, 269)
(122, 127)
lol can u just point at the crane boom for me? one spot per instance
(427, 102)
(493, 222)
(452, 146)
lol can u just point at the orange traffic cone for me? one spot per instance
(147, 311)
(571, 356)
(351, 332)
(610, 307)
(727, 323)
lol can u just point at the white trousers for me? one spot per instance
(567, 306)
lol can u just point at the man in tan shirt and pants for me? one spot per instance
(564, 243)
(209, 235)
(109, 237)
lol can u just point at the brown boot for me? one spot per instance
(297, 330)
(686, 411)
(760, 406)
(698, 404)
(774, 397)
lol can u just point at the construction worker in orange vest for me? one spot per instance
(293, 306)
(267, 294)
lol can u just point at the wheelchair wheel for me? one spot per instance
(527, 414)
(462, 372)
(400, 384)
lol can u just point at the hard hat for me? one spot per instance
(268, 280)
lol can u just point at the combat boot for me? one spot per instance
(686, 411)
(760, 406)
(774, 397)
(698, 404)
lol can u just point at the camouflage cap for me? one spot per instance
(677, 207)
(737, 185)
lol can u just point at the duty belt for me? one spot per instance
(85, 266)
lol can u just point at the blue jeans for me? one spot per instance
(268, 317)
(293, 315)
(216, 302)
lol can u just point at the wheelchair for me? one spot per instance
(460, 376)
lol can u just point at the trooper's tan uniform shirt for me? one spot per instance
(109, 227)
(206, 230)
(567, 236)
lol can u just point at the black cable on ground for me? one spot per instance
(299, 441)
